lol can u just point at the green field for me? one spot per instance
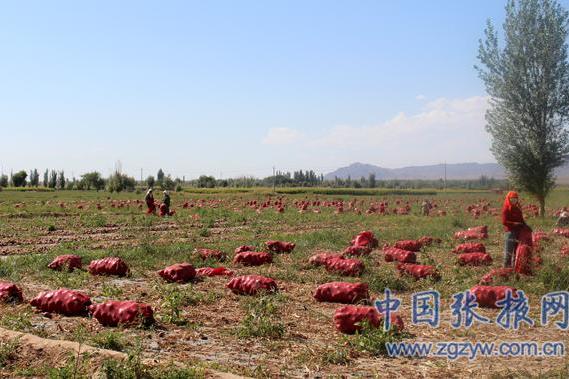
(202, 326)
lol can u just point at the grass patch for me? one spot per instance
(262, 318)
(372, 340)
(8, 351)
(110, 340)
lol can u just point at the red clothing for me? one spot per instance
(511, 213)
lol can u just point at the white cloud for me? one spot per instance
(444, 129)
(420, 97)
(281, 136)
(443, 117)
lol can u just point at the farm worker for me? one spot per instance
(513, 221)
(149, 199)
(425, 207)
(165, 206)
(563, 219)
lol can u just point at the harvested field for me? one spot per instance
(202, 328)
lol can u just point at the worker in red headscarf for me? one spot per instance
(513, 221)
(149, 199)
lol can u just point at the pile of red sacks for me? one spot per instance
(337, 263)
(320, 259)
(497, 274)
(244, 248)
(366, 238)
(349, 319)
(478, 232)
(252, 285)
(214, 271)
(362, 244)
(10, 293)
(342, 292)
(345, 266)
(280, 246)
(470, 247)
(562, 232)
(418, 271)
(164, 211)
(69, 262)
(474, 259)
(210, 254)
(394, 254)
(428, 240)
(252, 258)
(524, 260)
(124, 313)
(109, 266)
(356, 250)
(487, 296)
(63, 301)
(179, 273)
(409, 245)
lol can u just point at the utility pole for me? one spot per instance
(141, 175)
(274, 180)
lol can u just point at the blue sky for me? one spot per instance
(235, 87)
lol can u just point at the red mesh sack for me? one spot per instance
(10, 293)
(365, 238)
(251, 285)
(350, 318)
(252, 258)
(470, 247)
(562, 232)
(357, 250)
(497, 273)
(114, 313)
(211, 271)
(525, 236)
(480, 229)
(409, 245)
(537, 237)
(474, 259)
(108, 266)
(342, 292)
(280, 246)
(487, 296)
(478, 232)
(62, 301)
(348, 267)
(179, 272)
(68, 262)
(564, 251)
(321, 258)
(164, 212)
(244, 248)
(391, 254)
(210, 254)
(428, 241)
(418, 271)
(523, 261)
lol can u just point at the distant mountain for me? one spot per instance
(453, 171)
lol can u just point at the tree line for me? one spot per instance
(118, 182)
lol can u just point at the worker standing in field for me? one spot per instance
(165, 206)
(425, 207)
(563, 219)
(149, 199)
(513, 221)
